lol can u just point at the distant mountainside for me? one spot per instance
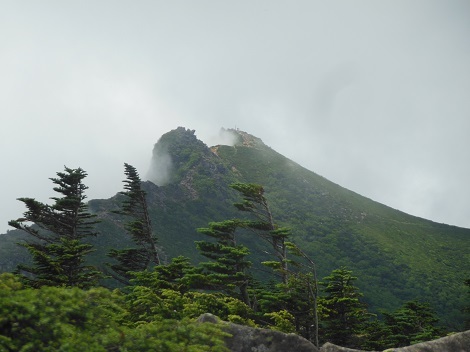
(396, 256)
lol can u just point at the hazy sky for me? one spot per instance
(373, 95)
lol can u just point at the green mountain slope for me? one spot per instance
(397, 257)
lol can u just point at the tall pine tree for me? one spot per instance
(58, 232)
(145, 254)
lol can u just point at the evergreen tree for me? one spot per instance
(343, 314)
(227, 269)
(255, 203)
(375, 336)
(139, 227)
(176, 276)
(58, 232)
(307, 317)
(466, 309)
(414, 322)
(296, 296)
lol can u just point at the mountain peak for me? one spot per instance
(244, 139)
(179, 157)
(172, 150)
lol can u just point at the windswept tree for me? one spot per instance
(145, 254)
(291, 303)
(58, 235)
(255, 203)
(227, 270)
(305, 278)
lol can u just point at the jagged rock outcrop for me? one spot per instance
(247, 339)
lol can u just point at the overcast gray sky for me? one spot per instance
(373, 95)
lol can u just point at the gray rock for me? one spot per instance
(247, 339)
(329, 347)
(459, 342)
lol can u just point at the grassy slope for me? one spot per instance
(396, 256)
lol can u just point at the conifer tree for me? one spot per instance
(139, 227)
(466, 309)
(308, 283)
(177, 275)
(58, 232)
(343, 312)
(412, 323)
(255, 203)
(298, 291)
(227, 269)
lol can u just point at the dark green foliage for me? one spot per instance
(466, 309)
(71, 319)
(176, 276)
(58, 249)
(293, 305)
(175, 335)
(342, 312)
(227, 269)
(414, 322)
(307, 275)
(294, 301)
(153, 298)
(375, 336)
(255, 203)
(53, 318)
(139, 228)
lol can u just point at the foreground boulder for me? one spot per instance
(329, 347)
(247, 339)
(459, 342)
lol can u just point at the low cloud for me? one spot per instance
(161, 166)
(224, 137)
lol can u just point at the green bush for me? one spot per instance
(72, 319)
